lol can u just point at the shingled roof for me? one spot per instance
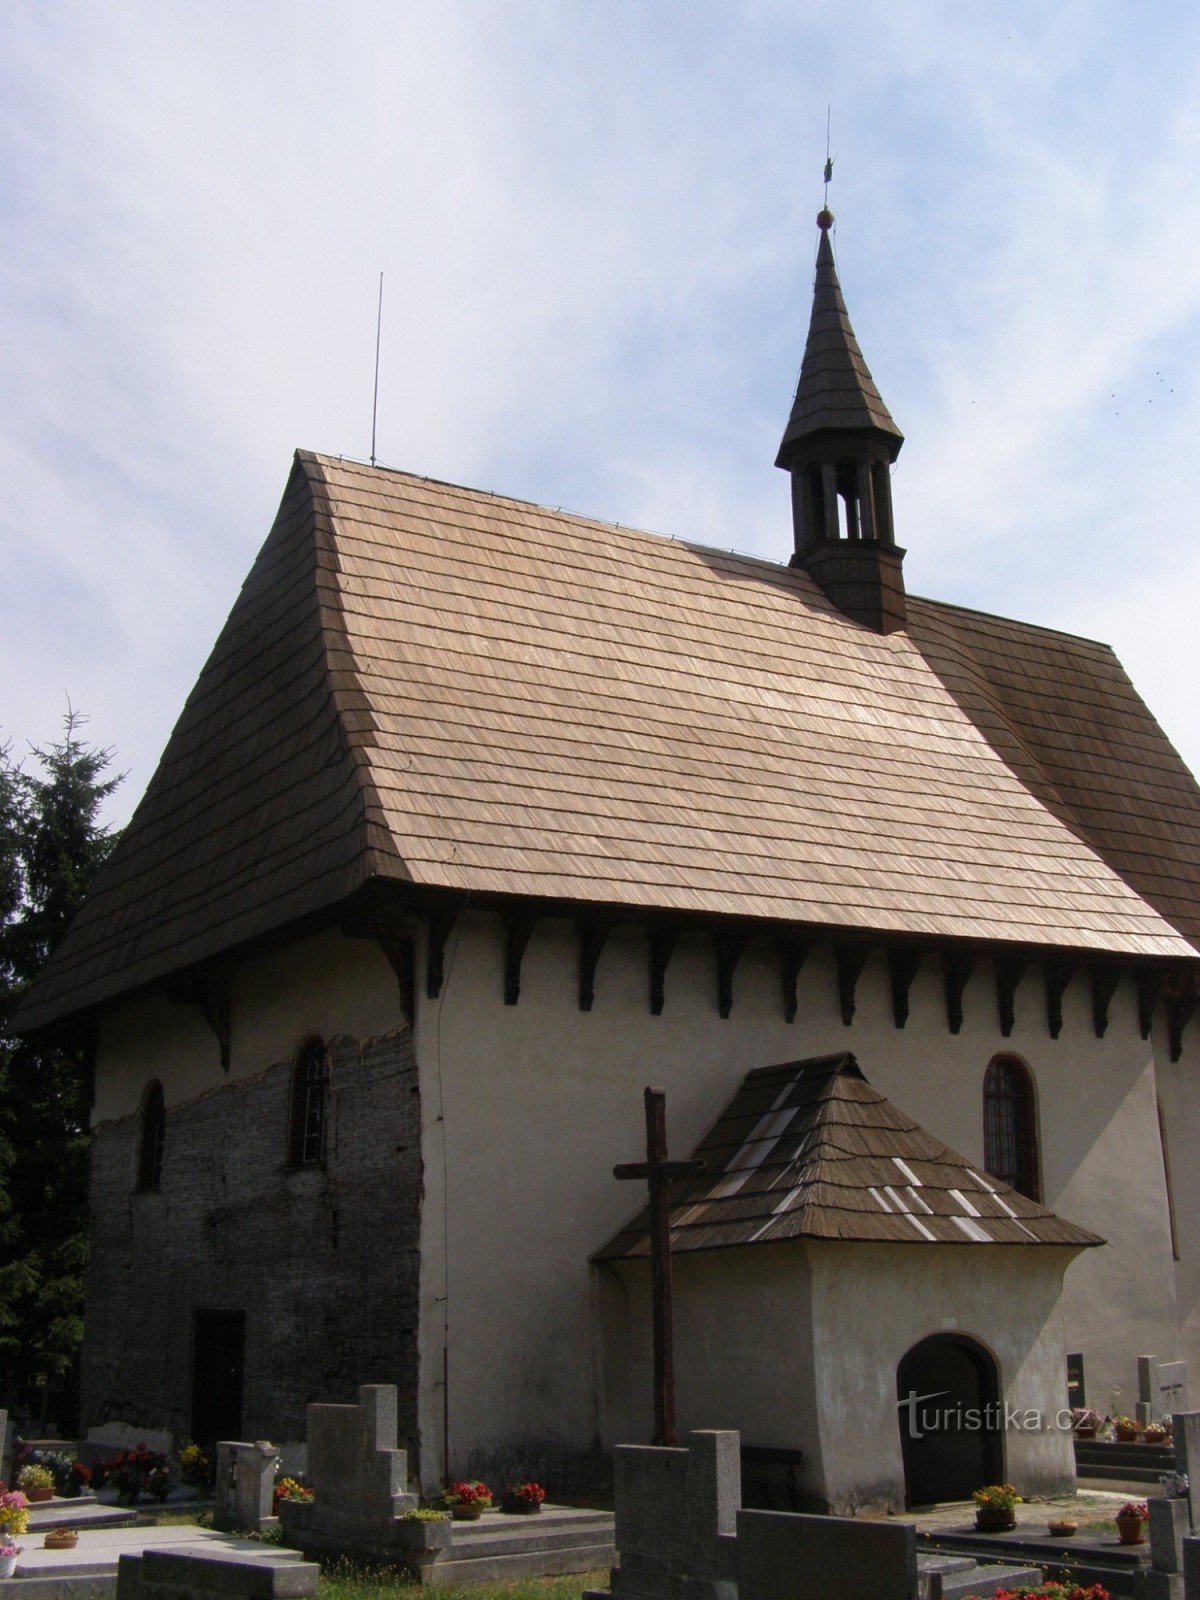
(836, 392)
(809, 1150)
(436, 687)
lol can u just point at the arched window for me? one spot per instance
(310, 1087)
(1010, 1150)
(153, 1137)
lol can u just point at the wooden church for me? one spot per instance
(480, 818)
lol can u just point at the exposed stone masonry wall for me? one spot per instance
(323, 1261)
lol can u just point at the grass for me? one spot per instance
(342, 1581)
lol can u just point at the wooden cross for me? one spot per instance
(657, 1171)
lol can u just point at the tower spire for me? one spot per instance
(838, 446)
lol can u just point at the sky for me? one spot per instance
(595, 222)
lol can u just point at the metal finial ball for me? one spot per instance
(825, 219)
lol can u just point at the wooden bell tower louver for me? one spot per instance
(839, 445)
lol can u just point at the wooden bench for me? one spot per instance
(769, 1477)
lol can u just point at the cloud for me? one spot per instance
(595, 225)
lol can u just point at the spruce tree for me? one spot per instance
(51, 844)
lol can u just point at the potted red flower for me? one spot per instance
(1131, 1521)
(523, 1499)
(466, 1501)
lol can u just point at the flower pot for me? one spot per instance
(468, 1513)
(516, 1507)
(1127, 1435)
(1131, 1530)
(988, 1520)
(1086, 1430)
(36, 1496)
(1062, 1530)
(61, 1539)
(8, 1565)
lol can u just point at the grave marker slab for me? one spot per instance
(1186, 1429)
(676, 1518)
(1168, 1526)
(359, 1477)
(786, 1555)
(245, 1488)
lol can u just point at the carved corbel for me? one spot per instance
(793, 953)
(903, 966)
(1151, 983)
(1104, 986)
(851, 959)
(592, 937)
(956, 974)
(662, 946)
(1057, 975)
(517, 929)
(1009, 973)
(441, 925)
(729, 953)
(211, 999)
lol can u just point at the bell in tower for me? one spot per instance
(839, 446)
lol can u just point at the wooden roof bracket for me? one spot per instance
(903, 965)
(1104, 986)
(441, 924)
(592, 938)
(851, 959)
(729, 952)
(517, 929)
(399, 947)
(210, 996)
(1180, 1008)
(793, 953)
(956, 974)
(1009, 972)
(1151, 982)
(662, 945)
(1057, 975)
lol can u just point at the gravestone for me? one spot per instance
(359, 1478)
(1186, 1431)
(1191, 1567)
(786, 1555)
(1162, 1389)
(1172, 1386)
(193, 1575)
(245, 1488)
(676, 1518)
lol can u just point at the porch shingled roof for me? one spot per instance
(809, 1150)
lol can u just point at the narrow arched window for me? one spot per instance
(152, 1137)
(1010, 1150)
(310, 1090)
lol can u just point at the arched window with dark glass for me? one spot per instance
(310, 1097)
(152, 1137)
(1010, 1150)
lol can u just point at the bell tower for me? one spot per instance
(839, 445)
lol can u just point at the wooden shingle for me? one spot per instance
(809, 1150)
(431, 686)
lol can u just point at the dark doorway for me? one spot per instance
(218, 1348)
(949, 1404)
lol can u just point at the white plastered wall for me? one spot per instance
(325, 985)
(526, 1108)
(762, 1332)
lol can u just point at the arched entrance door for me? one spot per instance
(948, 1394)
